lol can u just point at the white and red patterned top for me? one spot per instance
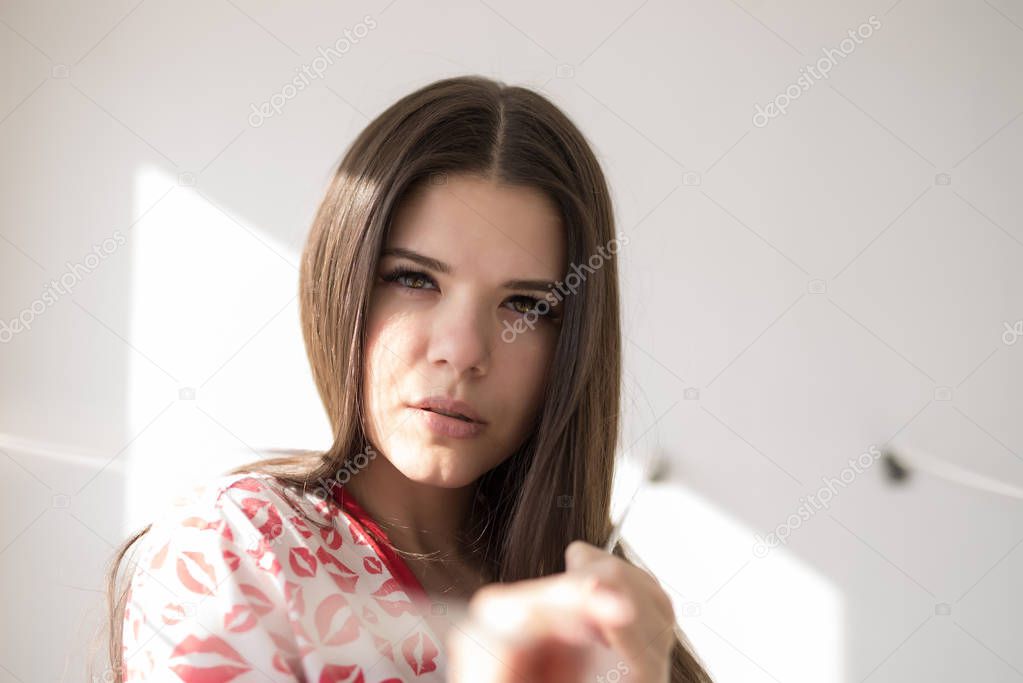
(233, 585)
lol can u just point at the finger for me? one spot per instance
(579, 553)
(533, 630)
(564, 604)
(514, 621)
(647, 642)
(476, 653)
(612, 572)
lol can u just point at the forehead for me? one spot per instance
(483, 227)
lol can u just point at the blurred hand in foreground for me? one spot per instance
(602, 620)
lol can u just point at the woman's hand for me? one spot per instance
(602, 619)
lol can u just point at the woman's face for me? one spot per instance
(458, 327)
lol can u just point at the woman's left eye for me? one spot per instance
(532, 306)
(402, 275)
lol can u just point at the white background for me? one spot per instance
(837, 279)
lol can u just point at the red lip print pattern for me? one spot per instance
(420, 653)
(384, 646)
(206, 660)
(231, 560)
(293, 594)
(335, 622)
(286, 659)
(393, 599)
(302, 562)
(235, 587)
(160, 557)
(331, 537)
(300, 526)
(196, 574)
(344, 578)
(218, 525)
(264, 517)
(172, 614)
(342, 674)
(248, 483)
(240, 619)
(265, 559)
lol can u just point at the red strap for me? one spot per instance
(394, 562)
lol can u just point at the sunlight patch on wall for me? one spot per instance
(219, 374)
(727, 598)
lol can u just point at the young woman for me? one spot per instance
(459, 304)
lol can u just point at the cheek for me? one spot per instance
(523, 370)
(382, 365)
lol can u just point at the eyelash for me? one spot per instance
(401, 272)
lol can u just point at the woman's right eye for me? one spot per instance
(406, 275)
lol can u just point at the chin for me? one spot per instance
(435, 465)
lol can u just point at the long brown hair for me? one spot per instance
(557, 486)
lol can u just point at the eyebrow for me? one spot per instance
(440, 266)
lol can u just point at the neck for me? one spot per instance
(417, 517)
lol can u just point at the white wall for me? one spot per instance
(799, 288)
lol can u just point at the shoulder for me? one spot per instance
(222, 494)
(225, 489)
(251, 528)
(244, 508)
(224, 541)
(240, 565)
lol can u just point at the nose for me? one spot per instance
(461, 336)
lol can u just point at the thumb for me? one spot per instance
(579, 553)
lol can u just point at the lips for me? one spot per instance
(458, 416)
(444, 405)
